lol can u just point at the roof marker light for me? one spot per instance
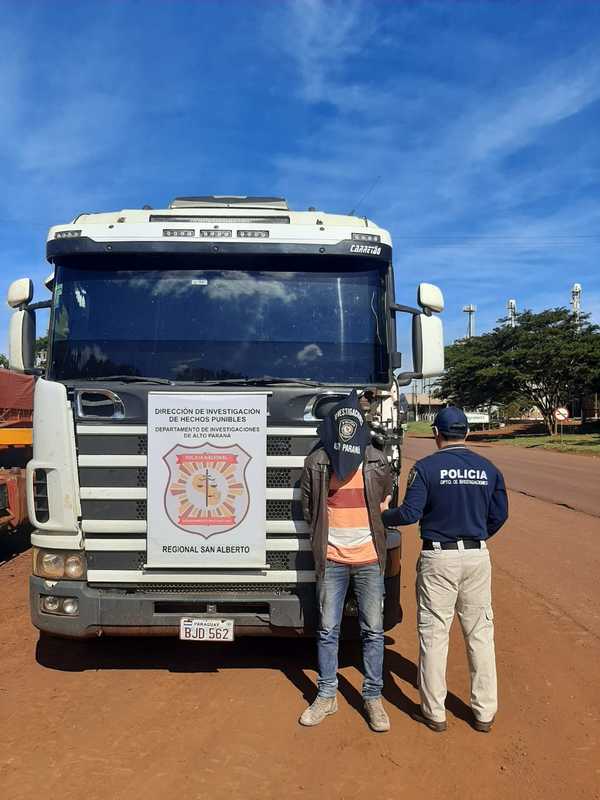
(215, 233)
(253, 234)
(366, 237)
(67, 234)
(181, 232)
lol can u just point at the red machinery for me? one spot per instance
(13, 499)
(16, 413)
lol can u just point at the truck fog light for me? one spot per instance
(71, 606)
(75, 566)
(53, 565)
(50, 604)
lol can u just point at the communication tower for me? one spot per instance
(470, 310)
(576, 302)
(512, 313)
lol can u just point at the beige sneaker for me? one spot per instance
(377, 715)
(317, 711)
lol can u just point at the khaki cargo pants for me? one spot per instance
(449, 581)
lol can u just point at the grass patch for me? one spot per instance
(587, 443)
(420, 429)
(584, 443)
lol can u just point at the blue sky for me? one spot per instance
(481, 120)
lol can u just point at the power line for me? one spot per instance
(369, 190)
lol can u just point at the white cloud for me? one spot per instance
(310, 353)
(508, 123)
(243, 285)
(320, 36)
(460, 211)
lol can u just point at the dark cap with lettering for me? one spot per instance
(451, 421)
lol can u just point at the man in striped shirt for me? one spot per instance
(344, 484)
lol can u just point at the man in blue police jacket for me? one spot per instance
(460, 499)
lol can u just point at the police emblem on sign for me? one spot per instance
(347, 429)
(206, 492)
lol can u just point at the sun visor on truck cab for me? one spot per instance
(83, 245)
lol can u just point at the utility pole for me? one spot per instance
(416, 399)
(576, 302)
(576, 306)
(470, 310)
(512, 313)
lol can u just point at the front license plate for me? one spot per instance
(206, 629)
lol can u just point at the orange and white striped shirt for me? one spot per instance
(350, 538)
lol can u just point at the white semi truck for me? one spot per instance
(209, 306)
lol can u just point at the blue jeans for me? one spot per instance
(368, 586)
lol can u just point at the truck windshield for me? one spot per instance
(203, 319)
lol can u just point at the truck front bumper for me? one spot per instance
(129, 612)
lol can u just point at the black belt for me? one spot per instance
(468, 544)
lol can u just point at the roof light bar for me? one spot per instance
(181, 232)
(366, 237)
(253, 234)
(215, 233)
(67, 234)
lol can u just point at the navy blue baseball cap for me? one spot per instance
(451, 421)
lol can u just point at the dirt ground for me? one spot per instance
(161, 718)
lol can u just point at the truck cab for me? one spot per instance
(210, 298)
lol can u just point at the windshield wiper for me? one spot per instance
(131, 379)
(264, 380)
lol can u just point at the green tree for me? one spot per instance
(546, 360)
(41, 351)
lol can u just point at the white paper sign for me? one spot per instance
(206, 480)
(477, 418)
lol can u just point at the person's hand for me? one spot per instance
(387, 518)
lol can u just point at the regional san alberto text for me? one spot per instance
(230, 549)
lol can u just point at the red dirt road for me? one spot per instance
(160, 719)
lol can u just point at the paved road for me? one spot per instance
(160, 718)
(561, 478)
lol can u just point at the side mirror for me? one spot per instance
(21, 340)
(428, 345)
(20, 293)
(430, 297)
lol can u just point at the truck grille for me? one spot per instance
(206, 588)
(283, 478)
(279, 446)
(136, 560)
(279, 509)
(113, 458)
(40, 495)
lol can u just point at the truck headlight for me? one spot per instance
(56, 565)
(71, 606)
(52, 565)
(51, 604)
(61, 606)
(75, 566)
